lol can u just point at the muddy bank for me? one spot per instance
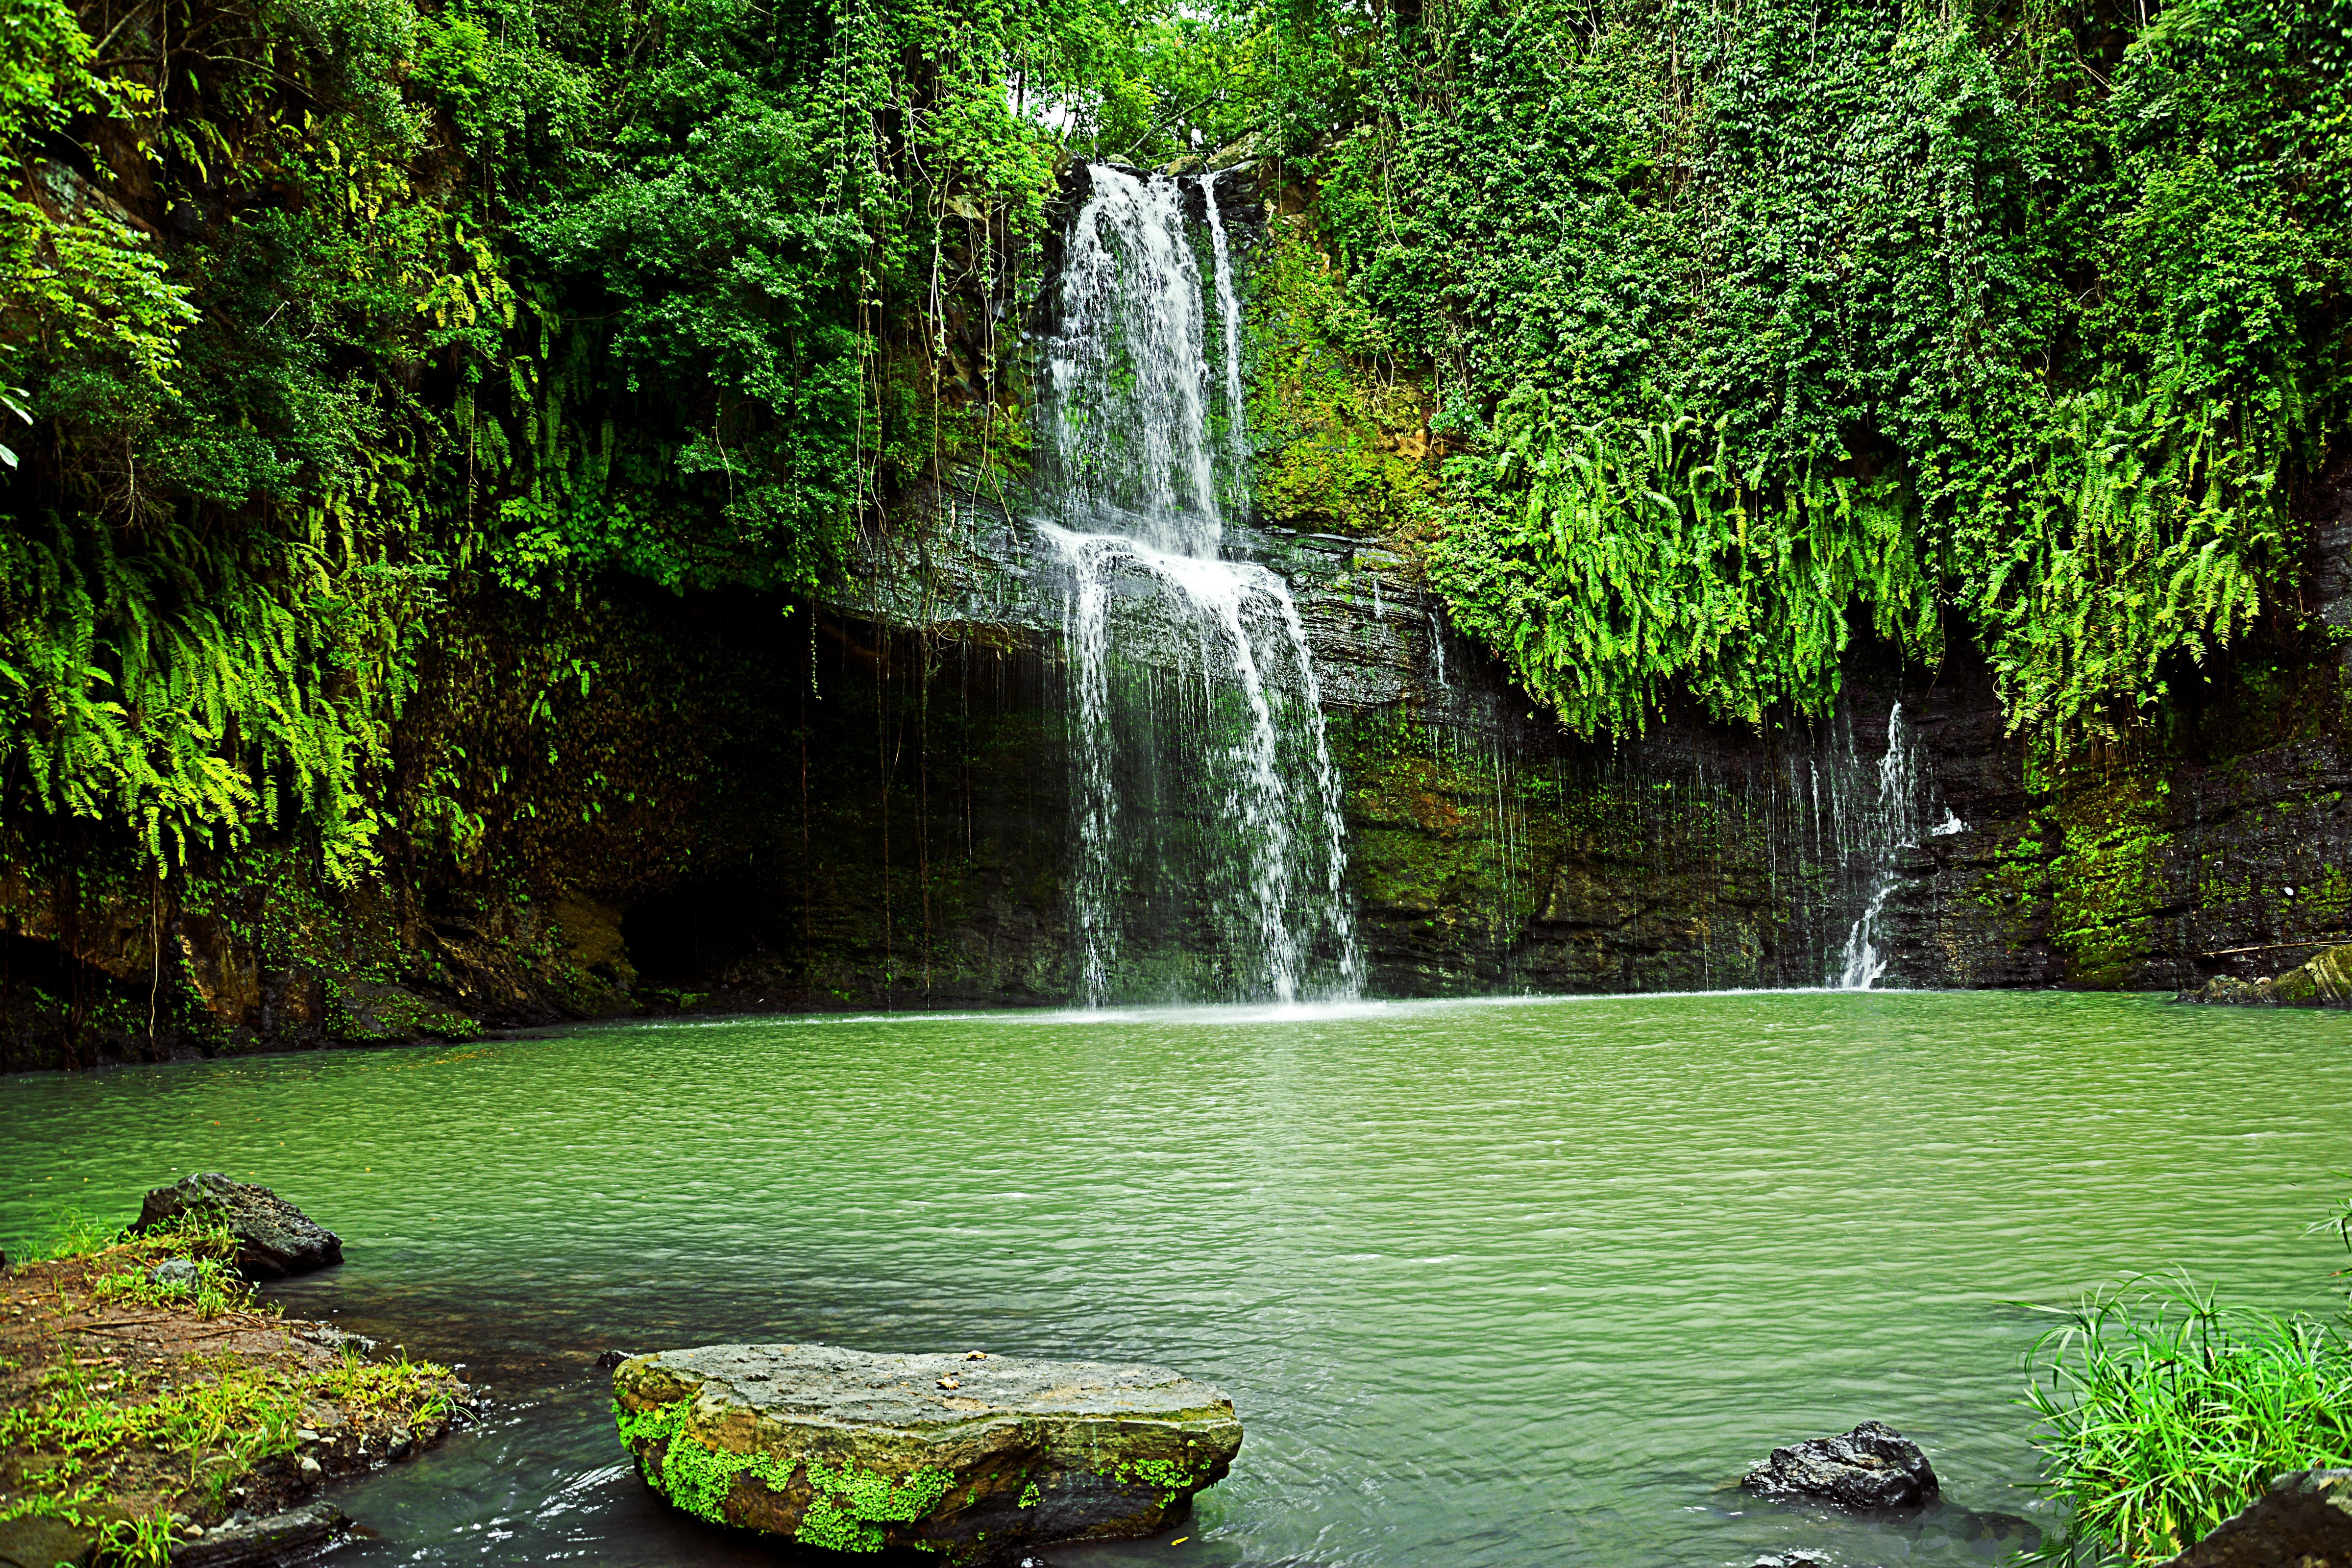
(153, 1408)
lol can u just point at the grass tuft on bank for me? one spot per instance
(2162, 1413)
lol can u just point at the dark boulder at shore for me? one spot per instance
(2304, 1520)
(274, 1237)
(1871, 1467)
(979, 1458)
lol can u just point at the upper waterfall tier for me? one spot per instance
(1128, 414)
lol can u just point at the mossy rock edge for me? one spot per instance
(971, 1458)
(2322, 982)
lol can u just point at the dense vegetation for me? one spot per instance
(2163, 1414)
(1752, 322)
(330, 323)
(1742, 328)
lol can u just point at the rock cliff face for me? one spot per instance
(1489, 850)
(760, 805)
(871, 808)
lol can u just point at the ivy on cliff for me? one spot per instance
(1754, 325)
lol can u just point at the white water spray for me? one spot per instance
(1229, 312)
(1129, 415)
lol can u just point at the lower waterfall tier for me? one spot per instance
(1210, 854)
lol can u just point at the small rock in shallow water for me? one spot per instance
(610, 1359)
(858, 1452)
(274, 1237)
(1872, 1466)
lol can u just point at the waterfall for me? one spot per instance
(1209, 845)
(1892, 826)
(1127, 424)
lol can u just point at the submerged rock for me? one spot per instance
(274, 1237)
(2306, 1519)
(250, 1543)
(974, 1456)
(2322, 982)
(1872, 1466)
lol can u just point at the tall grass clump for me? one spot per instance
(2162, 1413)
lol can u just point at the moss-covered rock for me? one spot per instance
(973, 1457)
(2322, 982)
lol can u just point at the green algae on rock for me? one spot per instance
(2323, 981)
(970, 1456)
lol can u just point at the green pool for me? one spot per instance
(1513, 1282)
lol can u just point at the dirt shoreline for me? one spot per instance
(153, 1410)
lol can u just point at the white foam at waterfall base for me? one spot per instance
(1205, 804)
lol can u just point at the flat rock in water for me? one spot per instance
(1872, 1466)
(274, 1237)
(2305, 1521)
(976, 1458)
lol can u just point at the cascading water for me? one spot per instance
(1209, 845)
(1892, 824)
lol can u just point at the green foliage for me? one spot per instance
(850, 1506)
(1337, 448)
(330, 321)
(1738, 330)
(1751, 326)
(2162, 1415)
(1172, 1476)
(1611, 561)
(213, 1289)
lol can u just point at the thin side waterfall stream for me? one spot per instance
(1891, 824)
(1211, 850)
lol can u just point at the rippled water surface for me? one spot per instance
(1490, 1283)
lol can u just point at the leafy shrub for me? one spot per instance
(2162, 1414)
